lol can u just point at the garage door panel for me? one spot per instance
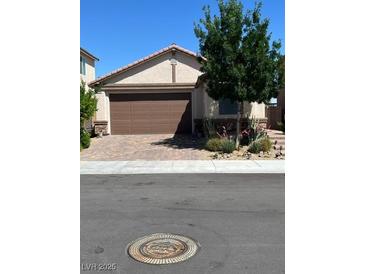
(121, 130)
(120, 106)
(150, 108)
(151, 116)
(142, 123)
(178, 109)
(150, 113)
(120, 110)
(139, 130)
(122, 122)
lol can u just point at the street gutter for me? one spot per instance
(182, 166)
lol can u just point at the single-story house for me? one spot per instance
(161, 93)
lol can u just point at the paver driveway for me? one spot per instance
(145, 147)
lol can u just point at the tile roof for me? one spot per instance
(142, 60)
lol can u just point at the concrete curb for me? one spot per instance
(182, 166)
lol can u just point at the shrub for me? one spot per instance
(228, 146)
(88, 103)
(263, 144)
(84, 138)
(214, 144)
(254, 147)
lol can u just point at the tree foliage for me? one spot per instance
(88, 107)
(240, 64)
(88, 103)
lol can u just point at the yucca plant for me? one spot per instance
(253, 131)
(209, 128)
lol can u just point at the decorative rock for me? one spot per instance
(100, 127)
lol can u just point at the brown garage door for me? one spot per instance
(149, 113)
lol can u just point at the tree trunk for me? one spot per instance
(238, 123)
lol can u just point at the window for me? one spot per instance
(82, 66)
(227, 107)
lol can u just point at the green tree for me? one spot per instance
(88, 103)
(239, 64)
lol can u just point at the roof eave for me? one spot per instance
(84, 51)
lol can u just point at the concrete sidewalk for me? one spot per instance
(182, 166)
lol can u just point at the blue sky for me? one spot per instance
(120, 32)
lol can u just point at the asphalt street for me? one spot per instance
(237, 219)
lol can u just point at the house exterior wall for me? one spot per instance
(211, 108)
(90, 69)
(101, 114)
(206, 107)
(159, 70)
(187, 68)
(198, 103)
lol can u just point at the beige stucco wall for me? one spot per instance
(101, 114)
(187, 68)
(159, 70)
(90, 69)
(209, 108)
(249, 109)
(107, 112)
(198, 103)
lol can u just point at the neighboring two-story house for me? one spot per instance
(87, 74)
(87, 66)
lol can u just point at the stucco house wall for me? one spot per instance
(89, 69)
(251, 110)
(159, 70)
(187, 69)
(198, 103)
(206, 107)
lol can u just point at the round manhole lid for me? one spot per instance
(162, 248)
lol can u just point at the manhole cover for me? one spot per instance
(162, 248)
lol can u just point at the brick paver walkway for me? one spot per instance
(145, 147)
